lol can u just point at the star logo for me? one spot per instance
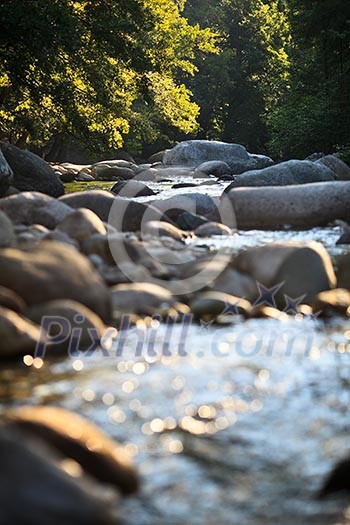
(232, 309)
(292, 304)
(267, 295)
(205, 326)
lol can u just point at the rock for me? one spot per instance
(7, 231)
(299, 271)
(212, 228)
(163, 229)
(91, 328)
(284, 174)
(344, 238)
(11, 300)
(129, 215)
(157, 157)
(261, 161)
(148, 175)
(266, 312)
(6, 175)
(333, 302)
(195, 203)
(213, 167)
(341, 170)
(76, 438)
(81, 224)
(315, 156)
(132, 189)
(303, 206)
(343, 271)
(84, 177)
(54, 271)
(236, 283)
(31, 173)
(34, 208)
(98, 201)
(190, 221)
(18, 336)
(141, 298)
(209, 304)
(104, 172)
(338, 480)
(61, 500)
(181, 185)
(59, 236)
(193, 153)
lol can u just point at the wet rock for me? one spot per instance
(190, 221)
(57, 498)
(6, 175)
(213, 167)
(195, 203)
(345, 237)
(31, 173)
(89, 327)
(339, 168)
(338, 480)
(11, 300)
(141, 298)
(193, 153)
(132, 189)
(303, 206)
(54, 271)
(74, 437)
(333, 302)
(209, 304)
(81, 224)
(34, 208)
(212, 228)
(98, 201)
(181, 185)
(18, 336)
(296, 270)
(284, 174)
(7, 231)
(163, 229)
(128, 215)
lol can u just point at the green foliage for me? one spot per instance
(101, 70)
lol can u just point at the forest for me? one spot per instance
(141, 75)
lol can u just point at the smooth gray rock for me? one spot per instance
(213, 167)
(31, 207)
(341, 170)
(132, 188)
(299, 206)
(195, 203)
(31, 173)
(98, 201)
(285, 174)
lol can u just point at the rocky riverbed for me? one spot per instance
(201, 323)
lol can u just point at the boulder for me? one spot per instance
(261, 161)
(34, 208)
(6, 175)
(212, 304)
(212, 228)
(132, 189)
(157, 157)
(81, 224)
(18, 336)
(343, 271)
(339, 168)
(74, 437)
(164, 229)
(128, 215)
(297, 270)
(193, 153)
(238, 284)
(99, 201)
(31, 173)
(7, 231)
(54, 271)
(284, 174)
(11, 300)
(213, 167)
(141, 298)
(332, 302)
(105, 172)
(195, 203)
(303, 206)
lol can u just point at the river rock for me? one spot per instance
(81, 224)
(193, 153)
(62, 499)
(34, 208)
(209, 304)
(141, 298)
(132, 189)
(157, 157)
(190, 221)
(54, 271)
(7, 231)
(303, 206)
(98, 201)
(343, 271)
(6, 175)
(18, 336)
(195, 203)
(212, 228)
(338, 480)
(262, 161)
(213, 167)
(11, 300)
(163, 229)
(284, 174)
(331, 303)
(341, 170)
(31, 173)
(91, 328)
(305, 269)
(113, 173)
(238, 284)
(76, 438)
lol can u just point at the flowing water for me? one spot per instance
(227, 425)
